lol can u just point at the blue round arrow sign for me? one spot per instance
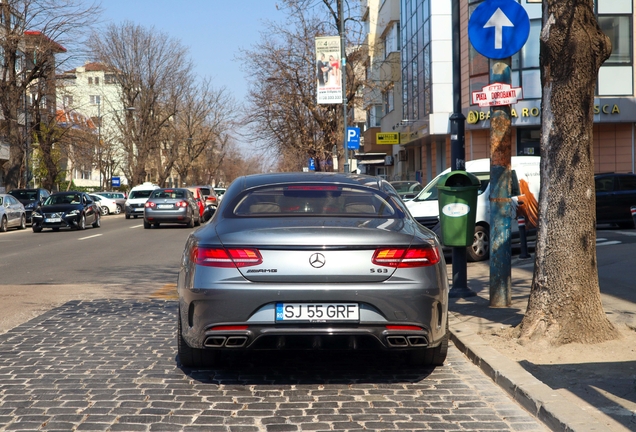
(498, 28)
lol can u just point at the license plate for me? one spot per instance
(317, 312)
(165, 206)
(52, 220)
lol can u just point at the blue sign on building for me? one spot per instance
(115, 182)
(353, 138)
(498, 28)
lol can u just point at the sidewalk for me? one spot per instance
(566, 395)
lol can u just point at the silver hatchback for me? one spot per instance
(312, 261)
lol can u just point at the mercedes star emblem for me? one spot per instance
(317, 260)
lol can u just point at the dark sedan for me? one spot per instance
(172, 205)
(30, 198)
(72, 210)
(615, 194)
(312, 261)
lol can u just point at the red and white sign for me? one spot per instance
(497, 94)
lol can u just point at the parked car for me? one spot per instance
(199, 197)
(407, 189)
(118, 197)
(171, 205)
(12, 213)
(219, 193)
(107, 205)
(30, 198)
(137, 199)
(525, 180)
(615, 194)
(71, 209)
(208, 193)
(307, 261)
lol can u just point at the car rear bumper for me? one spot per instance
(167, 217)
(396, 305)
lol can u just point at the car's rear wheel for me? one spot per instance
(198, 221)
(104, 211)
(146, 225)
(480, 249)
(191, 222)
(194, 358)
(431, 356)
(118, 209)
(3, 224)
(98, 221)
(22, 222)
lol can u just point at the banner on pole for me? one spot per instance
(328, 70)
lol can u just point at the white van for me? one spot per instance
(137, 198)
(525, 180)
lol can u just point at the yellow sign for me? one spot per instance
(387, 138)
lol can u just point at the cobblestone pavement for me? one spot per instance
(110, 365)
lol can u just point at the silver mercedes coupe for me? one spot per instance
(311, 261)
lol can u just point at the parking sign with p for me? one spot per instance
(353, 138)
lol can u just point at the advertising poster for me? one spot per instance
(328, 70)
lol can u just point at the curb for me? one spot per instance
(533, 395)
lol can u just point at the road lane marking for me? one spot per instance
(608, 243)
(136, 226)
(632, 233)
(166, 292)
(84, 238)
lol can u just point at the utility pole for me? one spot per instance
(343, 73)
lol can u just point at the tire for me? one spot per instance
(127, 216)
(36, 228)
(146, 225)
(22, 222)
(104, 211)
(98, 222)
(3, 224)
(480, 249)
(191, 223)
(194, 358)
(432, 356)
(81, 224)
(118, 209)
(198, 221)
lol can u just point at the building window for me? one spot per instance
(619, 30)
(109, 79)
(96, 80)
(67, 101)
(389, 100)
(95, 100)
(374, 115)
(90, 80)
(392, 40)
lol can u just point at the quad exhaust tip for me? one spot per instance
(228, 342)
(406, 341)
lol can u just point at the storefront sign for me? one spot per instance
(387, 138)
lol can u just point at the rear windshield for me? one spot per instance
(312, 200)
(140, 194)
(168, 193)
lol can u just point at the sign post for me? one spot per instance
(498, 29)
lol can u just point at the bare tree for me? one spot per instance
(283, 111)
(200, 131)
(32, 33)
(565, 303)
(153, 71)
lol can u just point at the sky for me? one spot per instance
(213, 30)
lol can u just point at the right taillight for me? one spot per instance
(418, 256)
(226, 257)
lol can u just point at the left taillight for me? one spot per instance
(226, 257)
(419, 256)
(150, 204)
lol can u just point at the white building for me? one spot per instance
(92, 90)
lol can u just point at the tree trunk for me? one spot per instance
(565, 302)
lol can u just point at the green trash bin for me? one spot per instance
(458, 207)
